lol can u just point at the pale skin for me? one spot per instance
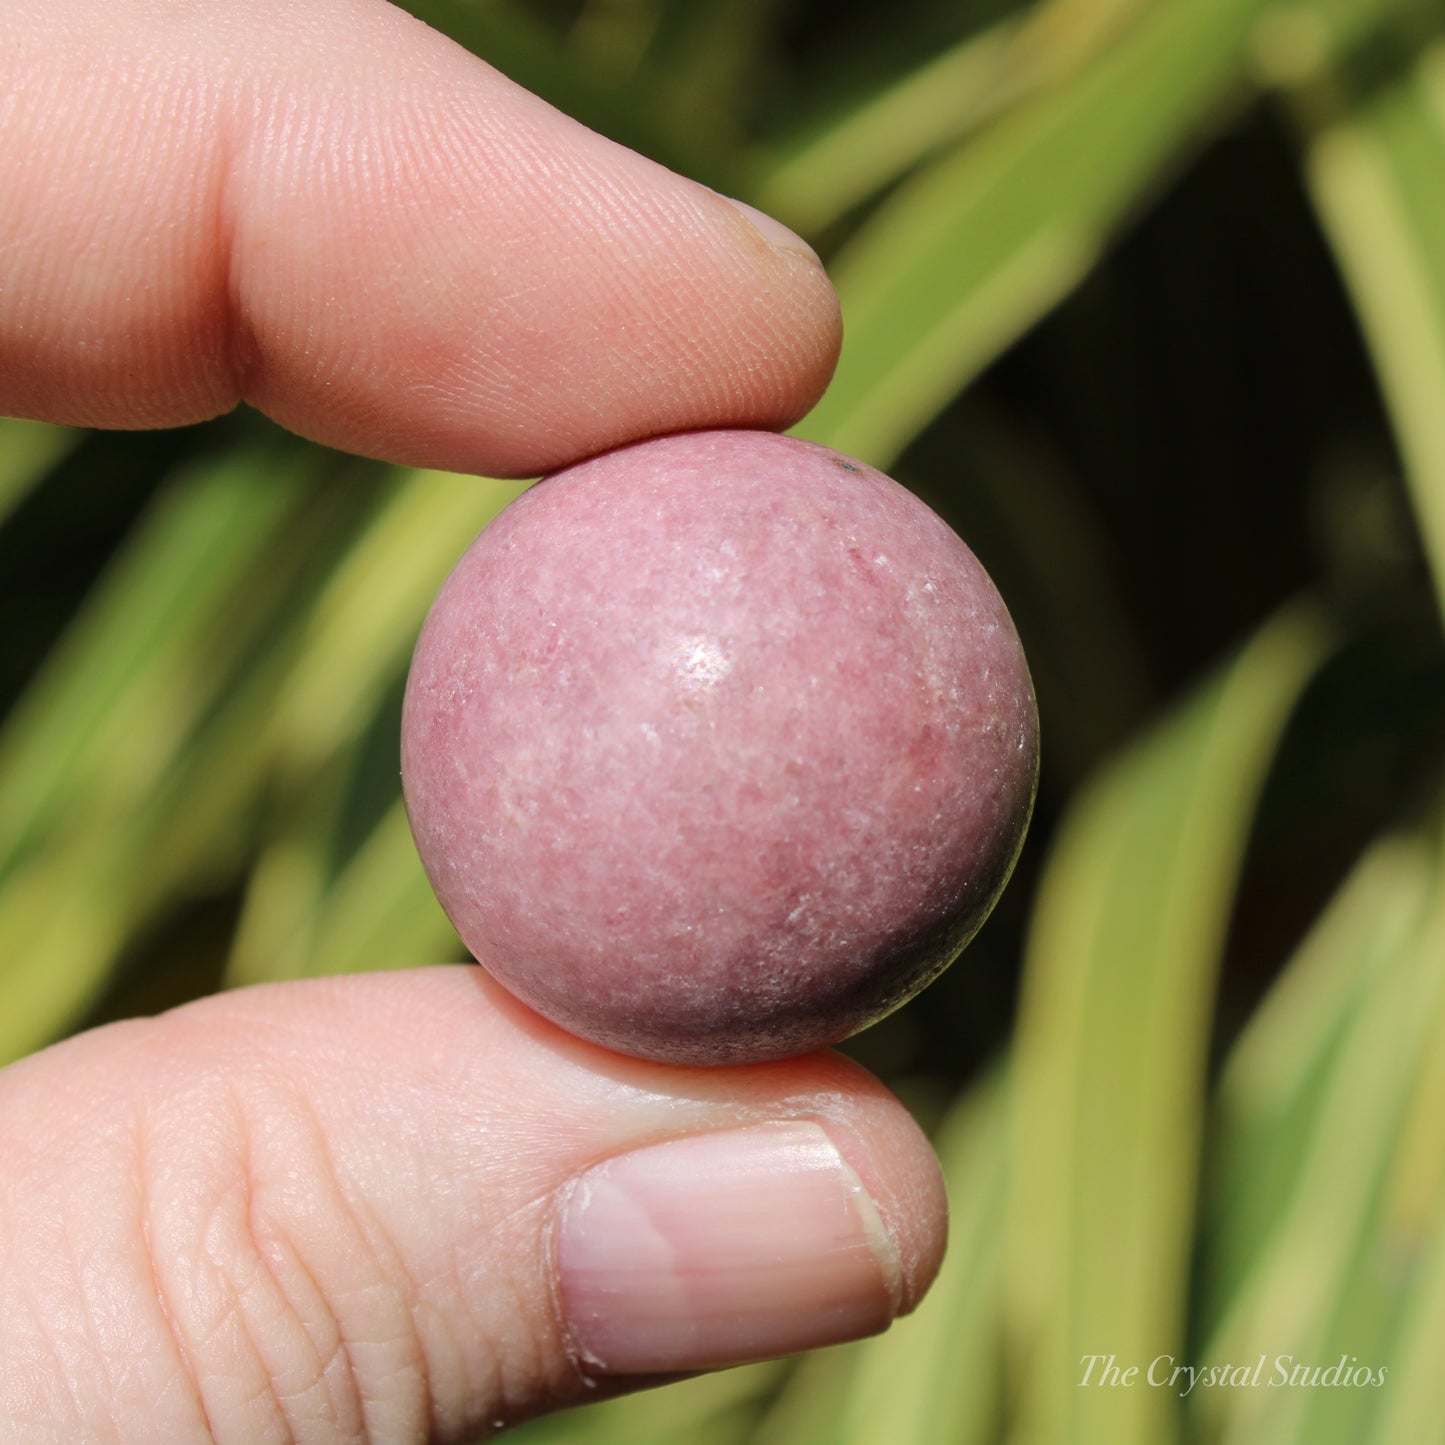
(329, 1211)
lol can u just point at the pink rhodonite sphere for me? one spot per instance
(719, 747)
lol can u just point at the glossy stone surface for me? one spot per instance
(719, 747)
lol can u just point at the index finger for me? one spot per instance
(334, 213)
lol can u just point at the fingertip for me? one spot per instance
(752, 1240)
(894, 1160)
(640, 1102)
(546, 295)
(722, 1247)
(341, 216)
(774, 233)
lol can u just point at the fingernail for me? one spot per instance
(773, 231)
(721, 1248)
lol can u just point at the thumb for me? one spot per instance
(401, 1207)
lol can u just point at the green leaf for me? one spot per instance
(28, 450)
(96, 730)
(287, 887)
(512, 37)
(70, 908)
(1414, 1407)
(380, 911)
(365, 624)
(1334, 1273)
(974, 250)
(813, 181)
(1272, 1090)
(62, 917)
(299, 918)
(133, 766)
(1109, 1065)
(1375, 175)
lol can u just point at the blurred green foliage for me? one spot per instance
(1148, 298)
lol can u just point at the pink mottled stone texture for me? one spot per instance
(719, 747)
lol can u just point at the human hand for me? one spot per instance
(396, 1207)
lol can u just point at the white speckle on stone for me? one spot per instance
(700, 663)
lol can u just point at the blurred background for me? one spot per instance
(1147, 297)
